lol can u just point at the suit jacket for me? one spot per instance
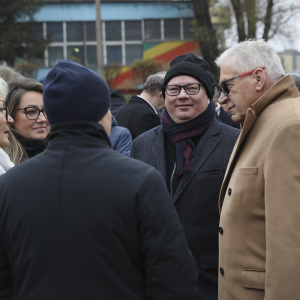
(259, 202)
(137, 116)
(196, 198)
(81, 221)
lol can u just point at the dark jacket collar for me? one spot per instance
(78, 130)
(141, 100)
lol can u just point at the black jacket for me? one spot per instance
(196, 197)
(89, 223)
(138, 116)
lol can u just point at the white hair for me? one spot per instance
(251, 54)
(3, 88)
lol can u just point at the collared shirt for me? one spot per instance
(148, 103)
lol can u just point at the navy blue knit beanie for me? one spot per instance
(190, 65)
(73, 92)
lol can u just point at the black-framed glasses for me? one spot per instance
(190, 89)
(32, 113)
(224, 87)
(6, 112)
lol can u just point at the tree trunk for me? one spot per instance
(250, 9)
(268, 19)
(207, 35)
(239, 15)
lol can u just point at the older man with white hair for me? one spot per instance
(259, 203)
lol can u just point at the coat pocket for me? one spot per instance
(247, 171)
(253, 279)
(209, 260)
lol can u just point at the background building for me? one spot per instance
(131, 31)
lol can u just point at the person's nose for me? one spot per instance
(41, 118)
(182, 93)
(223, 98)
(10, 120)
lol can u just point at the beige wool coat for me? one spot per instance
(259, 230)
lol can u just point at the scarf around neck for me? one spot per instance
(180, 135)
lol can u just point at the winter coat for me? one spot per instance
(259, 202)
(89, 223)
(120, 138)
(196, 197)
(137, 116)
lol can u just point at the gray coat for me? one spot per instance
(196, 198)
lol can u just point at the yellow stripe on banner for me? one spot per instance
(161, 49)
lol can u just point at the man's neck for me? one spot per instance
(150, 99)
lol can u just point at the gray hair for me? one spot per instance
(252, 54)
(154, 83)
(3, 88)
(8, 73)
(296, 78)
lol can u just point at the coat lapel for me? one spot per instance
(206, 145)
(249, 121)
(158, 149)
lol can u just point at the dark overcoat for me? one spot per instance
(196, 198)
(137, 116)
(82, 221)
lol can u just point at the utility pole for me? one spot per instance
(99, 38)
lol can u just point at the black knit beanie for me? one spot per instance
(191, 65)
(73, 93)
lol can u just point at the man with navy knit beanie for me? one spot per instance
(191, 150)
(81, 221)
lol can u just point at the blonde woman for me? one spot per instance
(5, 122)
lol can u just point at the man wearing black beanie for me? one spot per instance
(191, 150)
(86, 222)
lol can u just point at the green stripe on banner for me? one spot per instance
(147, 46)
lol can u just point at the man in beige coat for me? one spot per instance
(259, 236)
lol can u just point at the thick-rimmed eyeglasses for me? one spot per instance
(32, 113)
(190, 89)
(6, 112)
(224, 87)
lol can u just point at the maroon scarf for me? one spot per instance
(180, 134)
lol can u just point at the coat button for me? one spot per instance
(221, 230)
(229, 191)
(222, 271)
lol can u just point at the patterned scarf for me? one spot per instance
(180, 134)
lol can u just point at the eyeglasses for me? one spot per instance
(6, 112)
(190, 89)
(32, 113)
(224, 87)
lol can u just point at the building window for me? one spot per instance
(90, 31)
(133, 30)
(113, 31)
(188, 29)
(76, 53)
(56, 29)
(91, 56)
(74, 31)
(114, 54)
(55, 54)
(172, 29)
(152, 30)
(37, 28)
(133, 53)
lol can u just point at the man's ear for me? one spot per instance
(260, 79)
(159, 96)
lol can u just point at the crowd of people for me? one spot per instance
(173, 195)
